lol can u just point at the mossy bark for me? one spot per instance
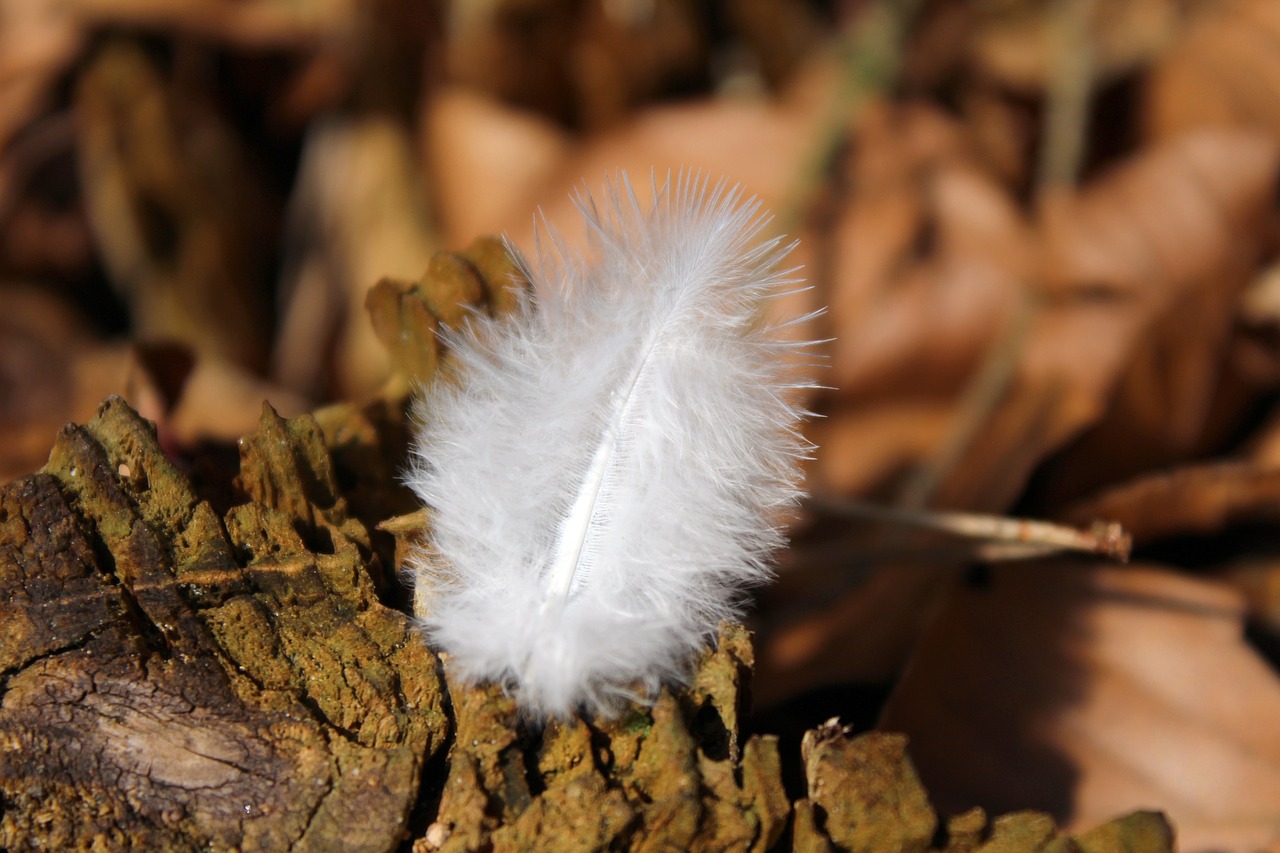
(178, 680)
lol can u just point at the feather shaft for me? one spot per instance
(577, 523)
(575, 526)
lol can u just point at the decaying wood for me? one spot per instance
(182, 680)
(178, 678)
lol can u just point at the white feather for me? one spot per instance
(607, 472)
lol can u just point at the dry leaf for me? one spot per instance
(37, 42)
(473, 141)
(39, 341)
(1172, 238)
(1194, 500)
(1223, 70)
(1082, 690)
(359, 213)
(757, 143)
(929, 261)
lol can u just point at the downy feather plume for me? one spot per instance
(608, 470)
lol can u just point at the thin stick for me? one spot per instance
(1011, 538)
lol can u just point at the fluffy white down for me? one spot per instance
(607, 469)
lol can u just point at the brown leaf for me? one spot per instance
(1174, 237)
(1235, 501)
(625, 56)
(39, 338)
(1194, 500)
(472, 141)
(1084, 690)
(1223, 70)
(759, 144)
(359, 213)
(929, 259)
(1139, 275)
(38, 41)
(1141, 271)
(586, 64)
(54, 369)
(782, 34)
